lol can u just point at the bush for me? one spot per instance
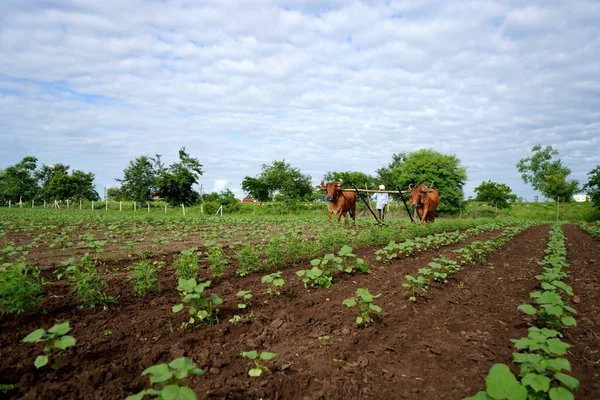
(20, 288)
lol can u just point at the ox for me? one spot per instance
(424, 202)
(340, 203)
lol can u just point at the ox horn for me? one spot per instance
(341, 182)
(323, 183)
(410, 186)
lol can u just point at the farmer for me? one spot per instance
(382, 201)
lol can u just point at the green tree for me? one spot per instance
(18, 182)
(350, 178)
(140, 178)
(593, 186)
(175, 184)
(114, 193)
(256, 188)
(429, 167)
(280, 177)
(546, 174)
(495, 194)
(56, 183)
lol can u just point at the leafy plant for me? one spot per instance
(366, 307)
(20, 288)
(55, 341)
(145, 277)
(202, 305)
(245, 295)
(89, 286)
(415, 284)
(258, 359)
(276, 282)
(501, 384)
(315, 277)
(217, 261)
(248, 258)
(552, 311)
(167, 379)
(187, 263)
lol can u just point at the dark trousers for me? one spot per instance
(381, 212)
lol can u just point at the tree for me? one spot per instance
(350, 178)
(140, 178)
(593, 186)
(114, 194)
(279, 177)
(175, 183)
(546, 175)
(56, 183)
(495, 194)
(18, 182)
(440, 171)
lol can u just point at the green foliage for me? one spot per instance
(276, 282)
(246, 296)
(258, 358)
(187, 263)
(366, 307)
(166, 379)
(592, 187)
(322, 272)
(248, 257)
(275, 252)
(56, 183)
(202, 308)
(282, 177)
(145, 277)
(55, 341)
(20, 288)
(175, 183)
(495, 194)
(501, 384)
(431, 168)
(356, 178)
(88, 284)
(140, 178)
(17, 181)
(546, 175)
(217, 261)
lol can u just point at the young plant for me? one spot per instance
(248, 257)
(187, 263)
(276, 282)
(245, 295)
(167, 377)
(414, 285)
(145, 277)
(315, 277)
(55, 341)
(217, 261)
(366, 307)
(201, 304)
(89, 286)
(552, 312)
(20, 288)
(258, 359)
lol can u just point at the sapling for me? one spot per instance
(166, 377)
(245, 295)
(276, 281)
(364, 300)
(258, 359)
(202, 305)
(55, 342)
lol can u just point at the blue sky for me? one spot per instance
(325, 85)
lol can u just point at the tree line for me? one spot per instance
(147, 178)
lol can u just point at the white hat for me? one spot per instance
(381, 187)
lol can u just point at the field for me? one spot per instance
(439, 346)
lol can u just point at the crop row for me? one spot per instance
(441, 267)
(539, 355)
(591, 229)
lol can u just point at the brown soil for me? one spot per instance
(440, 347)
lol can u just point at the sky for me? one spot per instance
(326, 85)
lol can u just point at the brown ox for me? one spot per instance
(424, 202)
(340, 203)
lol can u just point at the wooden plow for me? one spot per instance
(360, 192)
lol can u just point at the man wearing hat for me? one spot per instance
(382, 201)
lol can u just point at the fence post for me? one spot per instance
(183, 208)
(44, 203)
(120, 205)
(92, 205)
(148, 208)
(80, 204)
(134, 206)
(9, 204)
(32, 203)
(67, 204)
(165, 208)
(106, 203)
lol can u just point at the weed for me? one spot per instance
(20, 288)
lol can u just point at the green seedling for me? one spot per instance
(55, 341)
(20, 288)
(145, 277)
(245, 295)
(364, 300)
(276, 282)
(187, 263)
(258, 359)
(201, 304)
(167, 377)
(415, 284)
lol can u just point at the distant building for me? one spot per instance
(581, 198)
(248, 200)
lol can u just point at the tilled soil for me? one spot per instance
(440, 347)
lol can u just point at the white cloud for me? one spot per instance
(326, 85)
